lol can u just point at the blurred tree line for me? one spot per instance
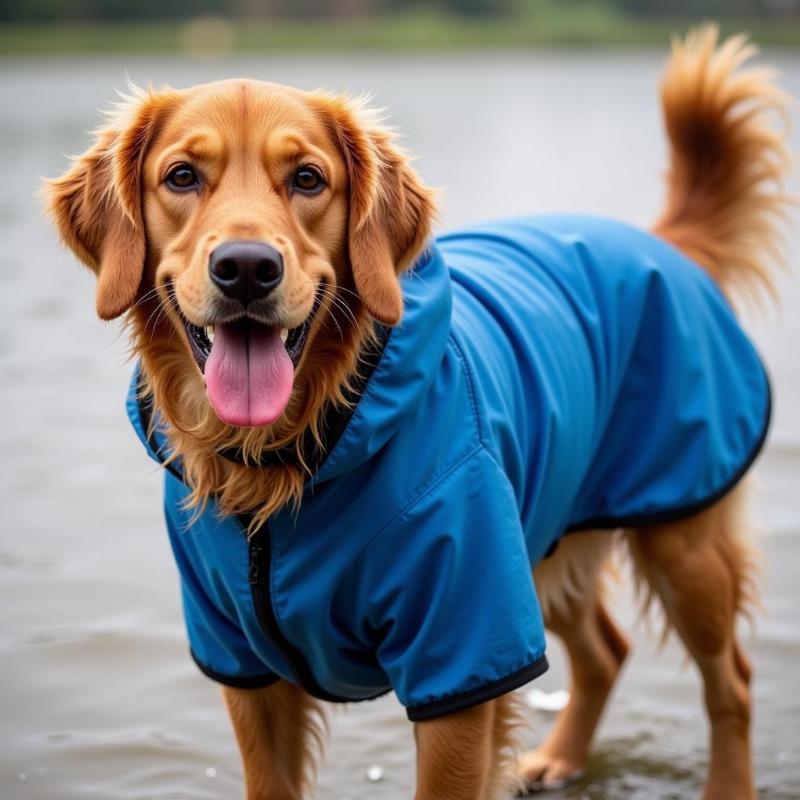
(119, 10)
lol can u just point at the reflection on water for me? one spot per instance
(99, 698)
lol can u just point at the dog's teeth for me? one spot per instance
(210, 333)
(284, 334)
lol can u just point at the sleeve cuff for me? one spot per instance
(489, 691)
(236, 681)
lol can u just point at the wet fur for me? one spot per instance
(724, 203)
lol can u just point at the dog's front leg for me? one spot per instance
(460, 755)
(280, 730)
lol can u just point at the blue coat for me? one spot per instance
(549, 374)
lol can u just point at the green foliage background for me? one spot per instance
(59, 26)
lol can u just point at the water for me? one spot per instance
(98, 698)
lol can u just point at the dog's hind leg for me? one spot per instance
(699, 569)
(568, 584)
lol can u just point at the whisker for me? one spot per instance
(315, 316)
(159, 313)
(349, 291)
(332, 319)
(153, 314)
(147, 296)
(339, 303)
(336, 322)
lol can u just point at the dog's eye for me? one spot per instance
(181, 178)
(308, 180)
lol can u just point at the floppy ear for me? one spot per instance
(390, 211)
(97, 203)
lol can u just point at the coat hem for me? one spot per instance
(489, 691)
(689, 510)
(236, 681)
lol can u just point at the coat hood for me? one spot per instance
(407, 367)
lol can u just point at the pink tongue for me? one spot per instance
(249, 374)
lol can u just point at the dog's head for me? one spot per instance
(248, 220)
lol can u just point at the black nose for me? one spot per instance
(245, 270)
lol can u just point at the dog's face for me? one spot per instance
(247, 212)
(245, 207)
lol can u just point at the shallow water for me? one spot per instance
(98, 698)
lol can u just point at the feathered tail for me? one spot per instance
(728, 160)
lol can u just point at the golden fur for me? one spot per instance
(376, 222)
(150, 251)
(283, 757)
(725, 198)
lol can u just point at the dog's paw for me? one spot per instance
(539, 771)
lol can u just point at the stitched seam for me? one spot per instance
(473, 401)
(437, 480)
(334, 454)
(409, 507)
(358, 412)
(273, 590)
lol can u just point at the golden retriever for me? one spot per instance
(316, 190)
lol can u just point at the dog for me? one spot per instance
(374, 443)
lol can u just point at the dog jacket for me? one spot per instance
(549, 374)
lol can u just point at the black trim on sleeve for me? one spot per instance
(236, 681)
(489, 691)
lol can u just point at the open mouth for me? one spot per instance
(201, 340)
(248, 367)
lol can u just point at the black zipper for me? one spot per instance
(259, 571)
